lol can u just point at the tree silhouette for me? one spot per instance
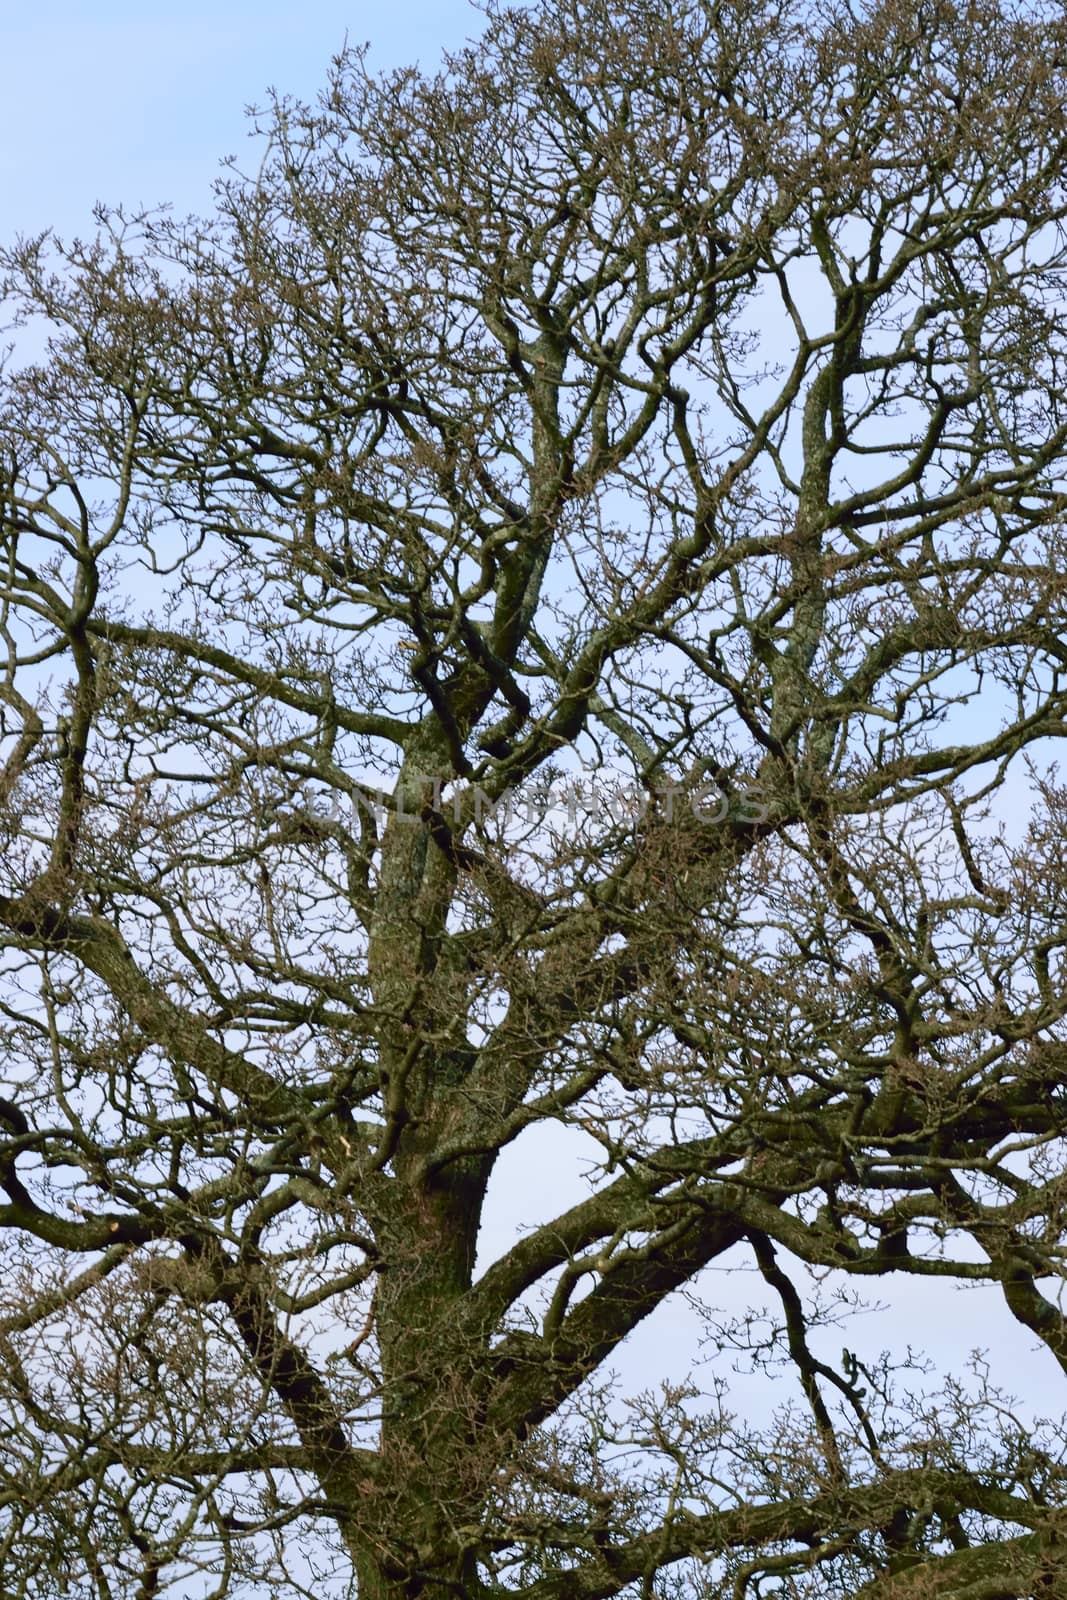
(530, 615)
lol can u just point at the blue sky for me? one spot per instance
(121, 102)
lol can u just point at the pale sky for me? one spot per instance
(116, 101)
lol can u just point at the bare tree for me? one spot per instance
(531, 614)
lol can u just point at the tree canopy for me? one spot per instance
(534, 614)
